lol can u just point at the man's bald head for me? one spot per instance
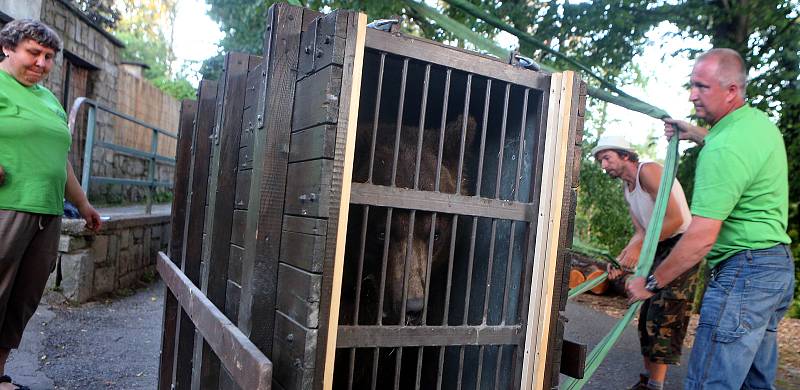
(730, 67)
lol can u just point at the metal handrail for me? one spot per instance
(153, 157)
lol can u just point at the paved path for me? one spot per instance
(100, 345)
(623, 364)
(115, 345)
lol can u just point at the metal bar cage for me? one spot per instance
(440, 230)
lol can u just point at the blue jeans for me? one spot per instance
(736, 342)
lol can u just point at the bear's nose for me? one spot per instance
(414, 305)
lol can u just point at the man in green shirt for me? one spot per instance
(35, 176)
(739, 218)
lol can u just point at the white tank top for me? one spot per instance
(642, 204)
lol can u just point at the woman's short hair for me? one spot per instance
(16, 31)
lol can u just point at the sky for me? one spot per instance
(196, 36)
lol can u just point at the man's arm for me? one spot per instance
(629, 256)
(690, 249)
(650, 179)
(74, 193)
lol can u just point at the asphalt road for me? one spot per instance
(623, 364)
(115, 344)
(100, 345)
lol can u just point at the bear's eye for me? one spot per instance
(382, 236)
(436, 236)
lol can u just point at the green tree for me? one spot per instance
(146, 40)
(101, 12)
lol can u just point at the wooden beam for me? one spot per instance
(370, 194)
(573, 361)
(178, 220)
(341, 181)
(193, 231)
(411, 336)
(451, 57)
(250, 368)
(548, 230)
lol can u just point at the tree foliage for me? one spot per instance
(101, 12)
(146, 40)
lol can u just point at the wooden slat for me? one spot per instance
(410, 336)
(451, 57)
(341, 179)
(178, 220)
(248, 366)
(313, 143)
(264, 217)
(298, 295)
(308, 193)
(370, 194)
(566, 222)
(315, 226)
(305, 251)
(222, 191)
(293, 353)
(557, 152)
(319, 94)
(193, 232)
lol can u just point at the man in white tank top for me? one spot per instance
(663, 318)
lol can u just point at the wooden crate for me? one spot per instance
(328, 158)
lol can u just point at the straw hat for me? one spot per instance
(612, 142)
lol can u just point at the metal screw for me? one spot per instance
(319, 53)
(327, 39)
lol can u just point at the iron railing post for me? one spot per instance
(151, 175)
(86, 171)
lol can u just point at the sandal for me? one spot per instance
(7, 379)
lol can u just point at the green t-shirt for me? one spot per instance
(34, 142)
(741, 179)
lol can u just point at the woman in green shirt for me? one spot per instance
(35, 176)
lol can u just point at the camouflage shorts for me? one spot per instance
(664, 317)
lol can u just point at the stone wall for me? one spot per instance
(122, 253)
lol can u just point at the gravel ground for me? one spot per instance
(111, 344)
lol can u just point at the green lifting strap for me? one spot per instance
(489, 46)
(642, 269)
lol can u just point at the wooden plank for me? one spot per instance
(222, 193)
(534, 364)
(193, 232)
(253, 82)
(451, 57)
(330, 40)
(308, 193)
(307, 49)
(342, 177)
(242, 200)
(232, 297)
(574, 364)
(298, 295)
(177, 222)
(305, 251)
(247, 138)
(238, 228)
(370, 194)
(295, 348)
(320, 96)
(248, 366)
(316, 142)
(315, 226)
(235, 266)
(560, 281)
(264, 219)
(410, 336)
